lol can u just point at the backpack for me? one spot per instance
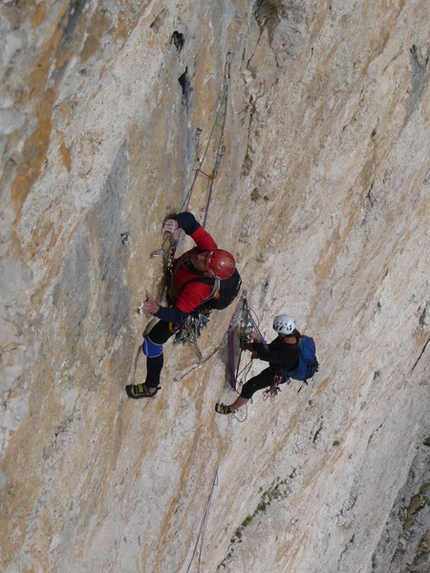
(308, 363)
(223, 292)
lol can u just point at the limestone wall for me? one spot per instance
(322, 194)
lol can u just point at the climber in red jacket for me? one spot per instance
(188, 293)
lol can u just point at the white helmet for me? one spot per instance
(284, 324)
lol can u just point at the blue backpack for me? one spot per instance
(308, 363)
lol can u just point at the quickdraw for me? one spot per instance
(274, 389)
(246, 326)
(190, 329)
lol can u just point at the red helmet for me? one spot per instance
(220, 264)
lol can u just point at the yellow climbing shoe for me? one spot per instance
(137, 391)
(222, 409)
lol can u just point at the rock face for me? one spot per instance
(322, 193)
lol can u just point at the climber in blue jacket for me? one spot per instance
(282, 354)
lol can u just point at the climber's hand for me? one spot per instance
(170, 226)
(150, 306)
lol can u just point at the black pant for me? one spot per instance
(262, 380)
(158, 334)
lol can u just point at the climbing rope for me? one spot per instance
(201, 535)
(235, 371)
(247, 324)
(197, 321)
(243, 314)
(232, 323)
(220, 120)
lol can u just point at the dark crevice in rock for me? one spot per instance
(421, 353)
(179, 40)
(185, 83)
(73, 15)
(419, 78)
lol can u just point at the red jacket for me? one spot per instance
(191, 295)
(188, 296)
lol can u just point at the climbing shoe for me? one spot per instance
(137, 391)
(222, 409)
